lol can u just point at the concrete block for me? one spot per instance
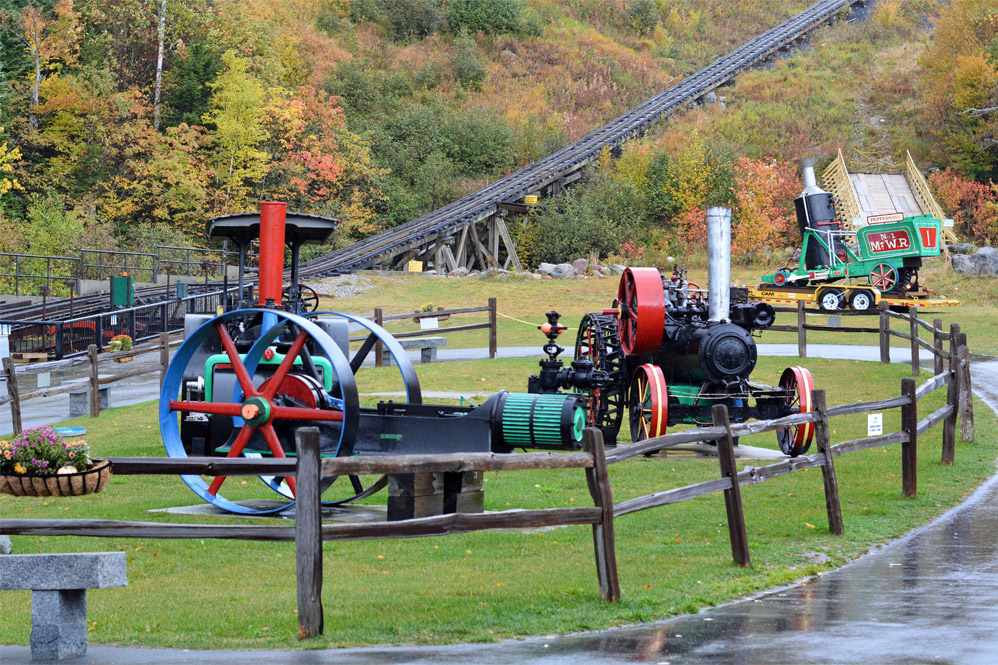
(58, 624)
(79, 401)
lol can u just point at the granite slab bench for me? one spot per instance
(58, 584)
(427, 348)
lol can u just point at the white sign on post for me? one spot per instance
(874, 424)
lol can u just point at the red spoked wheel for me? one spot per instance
(649, 402)
(797, 384)
(263, 415)
(641, 299)
(780, 278)
(883, 277)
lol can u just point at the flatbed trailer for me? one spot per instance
(859, 297)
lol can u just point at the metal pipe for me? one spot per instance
(272, 219)
(719, 262)
(810, 179)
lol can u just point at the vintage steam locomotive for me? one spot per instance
(665, 355)
(244, 381)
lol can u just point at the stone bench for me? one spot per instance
(58, 584)
(427, 348)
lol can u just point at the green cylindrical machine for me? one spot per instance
(550, 422)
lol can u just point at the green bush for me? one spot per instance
(643, 15)
(412, 19)
(488, 16)
(468, 67)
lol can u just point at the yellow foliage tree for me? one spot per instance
(690, 174)
(8, 156)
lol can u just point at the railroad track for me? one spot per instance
(511, 189)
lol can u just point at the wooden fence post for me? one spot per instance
(308, 534)
(916, 368)
(164, 356)
(966, 394)
(379, 318)
(94, 381)
(885, 335)
(832, 505)
(953, 399)
(732, 496)
(604, 545)
(15, 394)
(937, 347)
(801, 330)
(909, 448)
(954, 331)
(493, 331)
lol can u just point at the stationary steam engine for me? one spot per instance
(244, 381)
(665, 354)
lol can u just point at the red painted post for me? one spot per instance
(272, 218)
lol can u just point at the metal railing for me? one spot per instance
(58, 339)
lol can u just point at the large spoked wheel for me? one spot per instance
(649, 403)
(883, 277)
(641, 302)
(797, 384)
(597, 340)
(284, 400)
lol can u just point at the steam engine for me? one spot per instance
(665, 354)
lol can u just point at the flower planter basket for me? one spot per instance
(90, 481)
(124, 359)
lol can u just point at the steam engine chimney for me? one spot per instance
(273, 216)
(815, 210)
(719, 263)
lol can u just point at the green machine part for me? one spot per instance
(546, 421)
(122, 291)
(321, 363)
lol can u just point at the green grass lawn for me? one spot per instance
(492, 585)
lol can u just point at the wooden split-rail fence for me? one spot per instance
(94, 381)
(308, 533)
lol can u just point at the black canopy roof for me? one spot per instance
(300, 227)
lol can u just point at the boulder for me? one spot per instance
(459, 272)
(603, 270)
(961, 248)
(6, 547)
(545, 268)
(982, 262)
(580, 265)
(617, 269)
(563, 271)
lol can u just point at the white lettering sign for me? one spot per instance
(874, 424)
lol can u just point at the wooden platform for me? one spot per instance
(25, 357)
(880, 193)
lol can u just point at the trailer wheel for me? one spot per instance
(830, 299)
(861, 300)
(883, 277)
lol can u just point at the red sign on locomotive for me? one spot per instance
(889, 241)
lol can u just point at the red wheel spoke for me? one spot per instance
(275, 447)
(235, 451)
(282, 370)
(300, 413)
(245, 382)
(213, 408)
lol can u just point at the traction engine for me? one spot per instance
(243, 382)
(665, 355)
